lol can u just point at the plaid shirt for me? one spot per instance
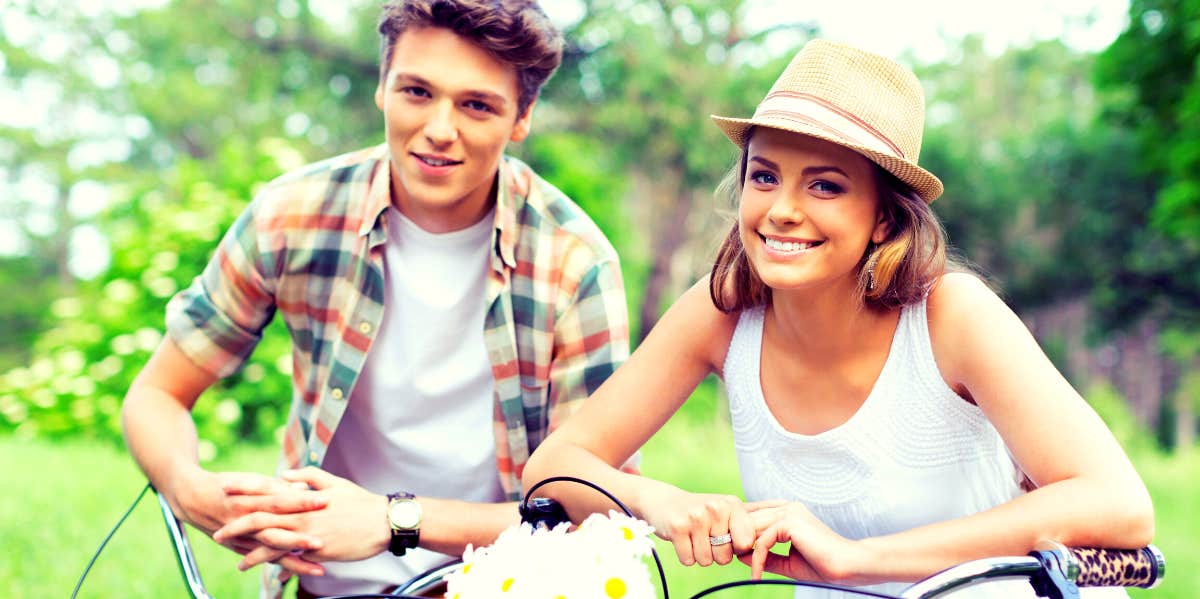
(311, 246)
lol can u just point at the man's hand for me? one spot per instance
(351, 525)
(201, 498)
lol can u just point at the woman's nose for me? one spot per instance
(786, 210)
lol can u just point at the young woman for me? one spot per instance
(886, 406)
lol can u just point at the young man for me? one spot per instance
(447, 309)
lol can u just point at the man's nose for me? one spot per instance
(441, 128)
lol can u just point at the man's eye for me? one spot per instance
(478, 106)
(413, 90)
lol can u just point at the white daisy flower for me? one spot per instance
(603, 559)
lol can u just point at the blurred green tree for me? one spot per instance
(173, 115)
(1042, 196)
(638, 83)
(1155, 70)
(1152, 73)
(188, 108)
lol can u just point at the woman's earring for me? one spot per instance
(871, 268)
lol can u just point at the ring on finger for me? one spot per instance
(719, 540)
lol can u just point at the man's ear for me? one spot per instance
(882, 229)
(379, 95)
(521, 127)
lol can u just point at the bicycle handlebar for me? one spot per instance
(1142, 568)
(1052, 565)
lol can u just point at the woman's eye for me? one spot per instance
(827, 187)
(763, 178)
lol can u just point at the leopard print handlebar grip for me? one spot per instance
(1119, 567)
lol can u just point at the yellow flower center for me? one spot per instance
(466, 568)
(628, 533)
(507, 584)
(615, 588)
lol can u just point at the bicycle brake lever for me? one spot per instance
(1049, 581)
(543, 512)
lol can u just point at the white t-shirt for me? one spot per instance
(420, 416)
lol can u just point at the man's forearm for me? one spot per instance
(448, 525)
(161, 437)
(352, 523)
(158, 423)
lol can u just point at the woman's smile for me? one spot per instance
(784, 247)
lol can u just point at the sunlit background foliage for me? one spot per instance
(1071, 178)
(132, 133)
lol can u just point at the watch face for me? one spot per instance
(405, 514)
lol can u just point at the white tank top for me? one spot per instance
(914, 453)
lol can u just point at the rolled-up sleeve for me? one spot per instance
(591, 340)
(218, 320)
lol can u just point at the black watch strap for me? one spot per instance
(402, 539)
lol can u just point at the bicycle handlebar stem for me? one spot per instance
(183, 551)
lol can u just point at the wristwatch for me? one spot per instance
(404, 517)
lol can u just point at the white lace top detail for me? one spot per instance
(914, 453)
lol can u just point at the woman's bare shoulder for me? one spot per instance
(959, 295)
(964, 313)
(702, 330)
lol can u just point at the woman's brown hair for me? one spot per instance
(514, 31)
(899, 271)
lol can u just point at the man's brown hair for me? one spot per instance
(514, 31)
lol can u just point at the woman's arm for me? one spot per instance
(1088, 493)
(687, 344)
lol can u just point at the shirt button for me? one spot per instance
(312, 457)
(336, 393)
(364, 327)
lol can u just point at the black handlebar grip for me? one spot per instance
(1119, 567)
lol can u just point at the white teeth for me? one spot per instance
(787, 246)
(435, 162)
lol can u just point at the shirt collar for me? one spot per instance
(379, 193)
(511, 189)
(508, 194)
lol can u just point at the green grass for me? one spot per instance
(1174, 484)
(68, 495)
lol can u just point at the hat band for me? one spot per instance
(813, 111)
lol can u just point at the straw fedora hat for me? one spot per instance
(852, 98)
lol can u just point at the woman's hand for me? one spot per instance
(817, 553)
(704, 528)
